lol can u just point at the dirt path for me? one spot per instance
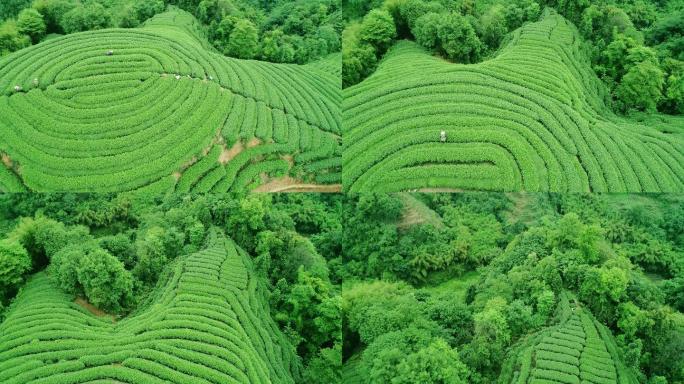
(289, 184)
(93, 309)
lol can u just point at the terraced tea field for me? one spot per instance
(206, 322)
(156, 108)
(578, 350)
(534, 118)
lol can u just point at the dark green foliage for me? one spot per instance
(243, 40)
(437, 363)
(86, 18)
(358, 62)
(378, 30)
(15, 263)
(674, 292)
(586, 252)
(667, 35)
(641, 88)
(145, 9)
(11, 8)
(10, 38)
(105, 282)
(53, 11)
(130, 243)
(30, 23)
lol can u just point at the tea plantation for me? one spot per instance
(206, 322)
(534, 118)
(157, 108)
(578, 350)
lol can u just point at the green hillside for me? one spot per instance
(163, 109)
(577, 350)
(534, 118)
(206, 322)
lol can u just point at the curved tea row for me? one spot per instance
(208, 323)
(534, 118)
(577, 350)
(122, 109)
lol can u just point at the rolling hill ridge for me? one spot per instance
(533, 118)
(206, 322)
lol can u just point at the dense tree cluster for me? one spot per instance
(276, 31)
(459, 31)
(111, 250)
(508, 261)
(29, 22)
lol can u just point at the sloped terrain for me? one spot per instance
(577, 350)
(534, 118)
(206, 322)
(124, 109)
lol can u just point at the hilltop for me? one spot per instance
(533, 118)
(157, 108)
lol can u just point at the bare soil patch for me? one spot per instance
(229, 154)
(289, 184)
(93, 309)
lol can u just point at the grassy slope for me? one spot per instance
(416, 212)
(534, 118)
(86, 121)
(206, 322)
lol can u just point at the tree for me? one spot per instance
(219, 32)
(15, 263)
(326, 367)
(106, 283)
(602, 289)
(493, 26)
(425, 30)
(673, 93)
(151, 252)
(451, 35)
(492, 336)
(328, 39)
(378, 30)
(437, 363)
(674, 292)
(358, 62)
(666, 35)
(86, 18)
(11, 8)
(121, 247)
(128, 18)
(642, 13)
(63, 268)
(455, 317)
(570, 9)
(602, 22)
(148, 8)
(30, 23)
(243, 41)
(10, 38)
(641, 88)
(276, 47)
(53, 11)
(520, 11)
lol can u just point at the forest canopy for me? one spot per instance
(276, 31)
(450, 287)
